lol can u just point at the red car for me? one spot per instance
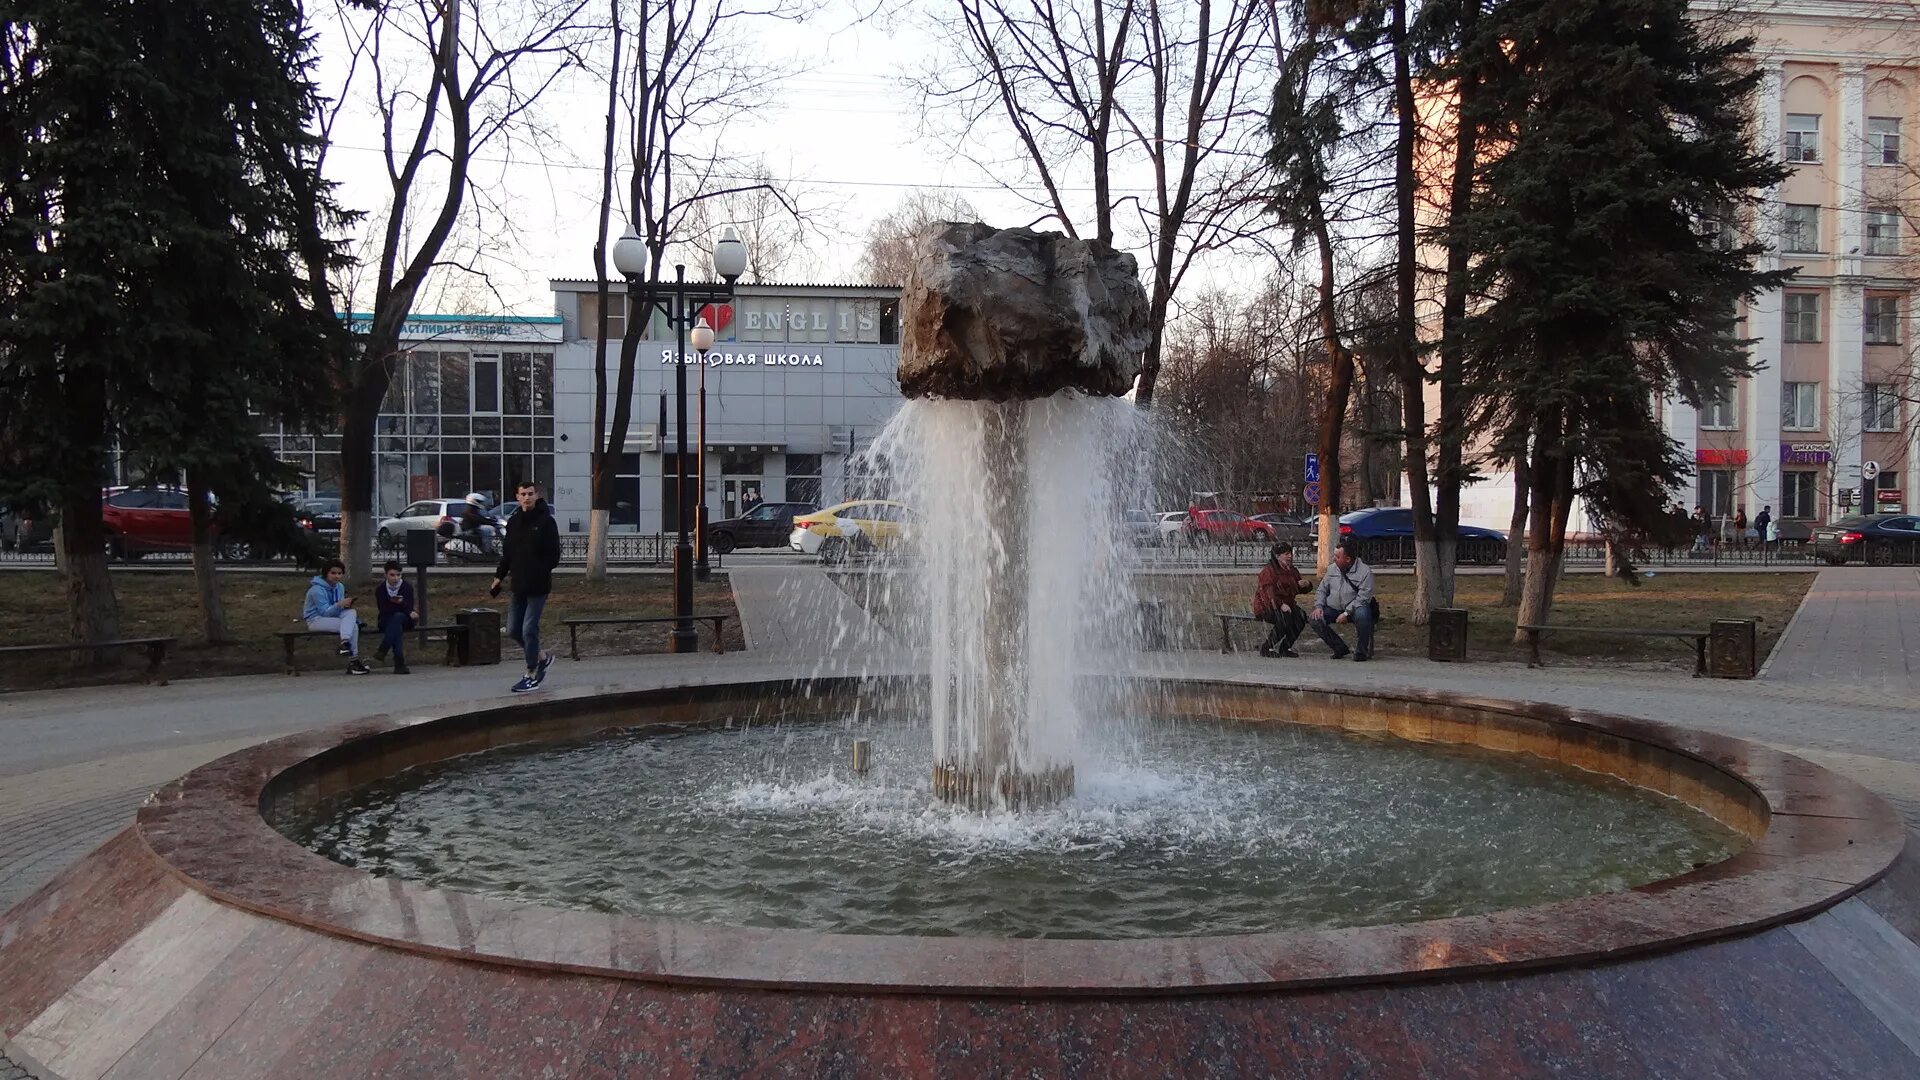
(140, 520)
(1225, 527)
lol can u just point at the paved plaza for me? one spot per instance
(1840, 689)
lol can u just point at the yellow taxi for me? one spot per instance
(862, 524)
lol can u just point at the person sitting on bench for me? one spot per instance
(1346, 595)
(1276, 600)
(398, 614)
(329, 607)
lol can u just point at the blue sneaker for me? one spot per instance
(526, 683)
(540, 669)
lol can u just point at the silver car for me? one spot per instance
(426, 514)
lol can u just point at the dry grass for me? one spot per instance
(154, 604)
(1680, 601)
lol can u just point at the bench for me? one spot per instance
(1698, 637)
(454, 632)
(1227, 619)
(573, 626)
(154, 647)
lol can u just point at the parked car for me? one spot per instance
(1875, 539)
(769, 524)
(1286, 527)
(320, 515)
(26, 532)
(1225, 527)
(1140, 528)
(1172, 524)
(141, 520)
(868, 524)
(427, 514)
(1387, 533)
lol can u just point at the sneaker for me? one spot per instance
(540, 669)
(525, 684)
(380, 654)
(402, 669)
(1288, 653)
(343, 649)
(357, 666)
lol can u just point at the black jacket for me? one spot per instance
(531, 551)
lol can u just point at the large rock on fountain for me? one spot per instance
(1004, 314)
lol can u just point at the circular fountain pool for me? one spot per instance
(1193, 827)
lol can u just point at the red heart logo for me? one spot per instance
(717, 316)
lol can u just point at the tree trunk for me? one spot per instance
(1552, 500)
(1451, 429)
(1413, 405)
(1339, 392)
(206, 579)
(598, 522)
(1516, 534)
(92, 614)
(356, 478)
(604, 454)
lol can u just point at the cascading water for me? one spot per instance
(1017, 579)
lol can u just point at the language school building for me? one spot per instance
(799, 378)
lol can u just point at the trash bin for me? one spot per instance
(1447, 634)
(480, 644)
(1732, 649)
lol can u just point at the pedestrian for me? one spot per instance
(1702, 529)
(749, 499)
(1763, 525)
(528, 556)
(1276, 600)
(1741, 534)
(328, 607)
(1345, 595)
(398, 614)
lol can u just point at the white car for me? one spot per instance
(425, 514)
(1173, 525)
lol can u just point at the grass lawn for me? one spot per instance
(1682, 601)
(156, 604)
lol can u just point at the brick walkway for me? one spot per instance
(1858, 627)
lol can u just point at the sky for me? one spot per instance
(842, 132)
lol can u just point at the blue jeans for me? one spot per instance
(523, 624)
(1362, 620)
(393, 634)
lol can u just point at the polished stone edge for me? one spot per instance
(1817, 838)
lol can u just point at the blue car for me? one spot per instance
(1386, 535)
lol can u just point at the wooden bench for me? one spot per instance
(154, 647)
(1698, 637)
(454, 632)
(573, 626)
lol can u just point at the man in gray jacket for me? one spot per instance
(1345, 595)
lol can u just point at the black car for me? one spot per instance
(320, 515)
(766, 525)
(25, 532)
(1385, 534)
(1875, 539)
(1286, 527)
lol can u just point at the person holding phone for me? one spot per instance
(328, 607)
(528, 555)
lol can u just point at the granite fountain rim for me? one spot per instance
(1825, 837)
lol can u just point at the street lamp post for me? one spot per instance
(677, 301)
(702, 341)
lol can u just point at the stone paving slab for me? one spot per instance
(1857, 627)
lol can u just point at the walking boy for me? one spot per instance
(328, 607)
(528, 556)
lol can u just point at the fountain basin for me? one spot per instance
(1815, 838)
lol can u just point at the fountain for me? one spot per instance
(682, 874)
(1004, 325)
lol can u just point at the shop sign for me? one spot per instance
(1887, 495)
(752, 359)
(1719, 457)
(1806, 453)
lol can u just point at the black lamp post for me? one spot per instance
(680, 302)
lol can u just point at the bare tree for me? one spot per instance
(888, 253)
(450, 80)
(1103, 91)
(692, 72)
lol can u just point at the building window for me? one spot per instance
(1717, 408)
(1883, 140)
(486, 384)
(1803, 137)
(1880, 407)
(1800, 406)
(1886, 481)
(1799, 495)
(616, 315)
(1716, 491)
(1802, 314)
(1883, 320)
(803, 478)
(1883, 231)
(1800, 228)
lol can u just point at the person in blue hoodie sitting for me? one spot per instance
(329, 607)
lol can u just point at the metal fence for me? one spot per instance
(623, 549)
(1399, 552)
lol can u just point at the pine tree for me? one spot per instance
(1613, 130)
(167, 207)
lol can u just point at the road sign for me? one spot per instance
(1869, 470)
(1312, 494)
(1849, 496)
(1313, 472)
